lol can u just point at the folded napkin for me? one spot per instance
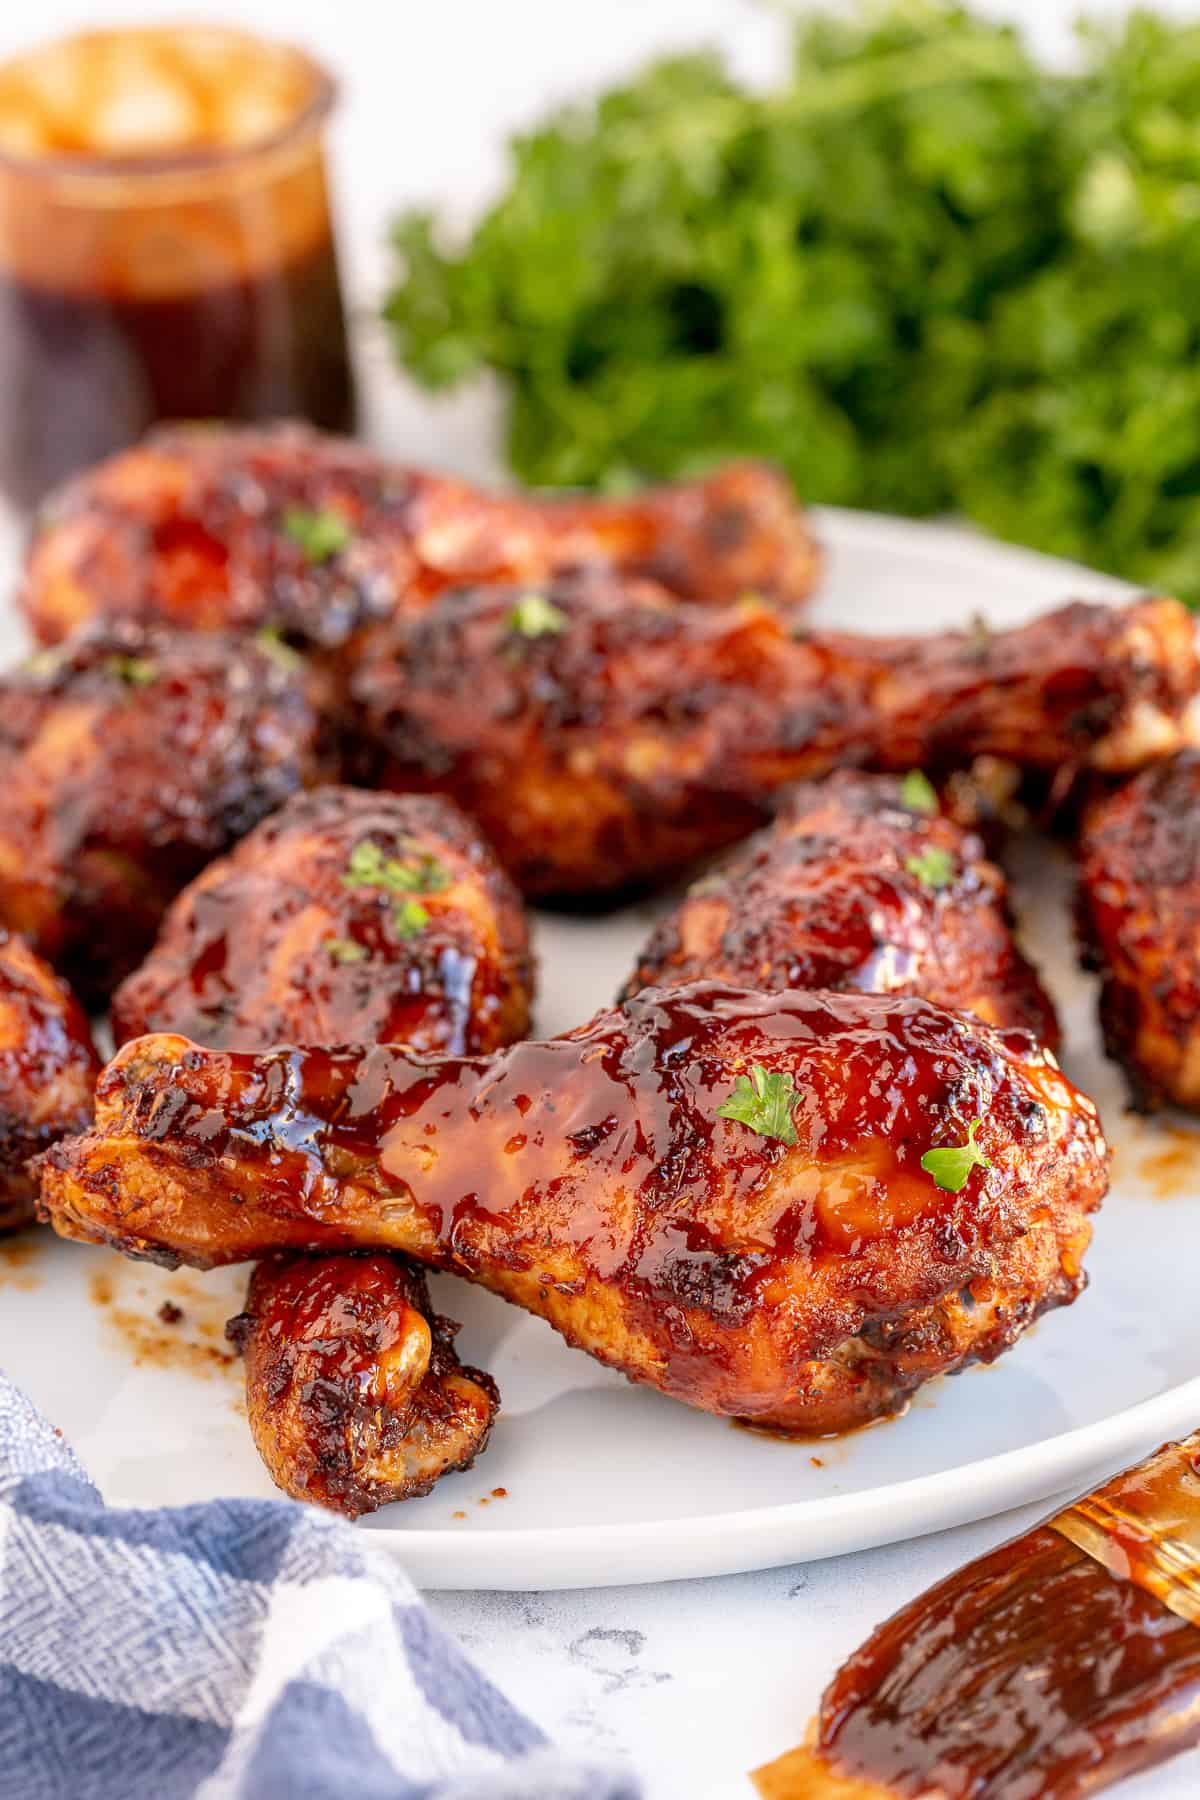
(236, 1650)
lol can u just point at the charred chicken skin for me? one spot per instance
(607, 737)
(235, 529)
(128, 759)
(48, 1070)
(859, 884)
(1139, 927)
(344, 917)
(347, 915)
(729, 1196)
(354, 1393)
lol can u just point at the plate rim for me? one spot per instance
(1061, 1459)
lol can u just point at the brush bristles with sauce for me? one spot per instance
(1047, 1670)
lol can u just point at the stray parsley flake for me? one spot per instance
(934, 866)
(918, 793)
(272, 643)
(134, 671)
(951, 1165)
(44, 662)
(764, 1102)
(369, 867)
(409, 918)
(534, 616)
(319, 534)
(345, 950)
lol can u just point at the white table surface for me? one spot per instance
(696, 1682)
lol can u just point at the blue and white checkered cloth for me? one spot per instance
(237, 1650)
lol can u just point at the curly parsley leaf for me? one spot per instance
(921, 272)
(763, 1101)
(918, 793)
(934, 867)
(951, 1165)
(320, 534)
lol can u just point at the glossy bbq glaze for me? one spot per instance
(199, 527)
(1139, 927)
(355, 1395)
(344, 917)
(860, 883)
(1032, 1674)
(48, 1070)
(128, 759)
(630, 736)
(593, 1179)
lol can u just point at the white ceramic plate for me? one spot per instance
(606, 1483)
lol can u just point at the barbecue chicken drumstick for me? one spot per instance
(730, 1196)
(605, 737)
(861, 883)
(48, 1070)
(226, 528)
(1139, 924)
(128, 759)
(354, 1392)
(348, 915)
(345, 917)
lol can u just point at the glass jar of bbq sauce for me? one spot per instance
(166, 248)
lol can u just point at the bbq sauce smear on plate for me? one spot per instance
(166, 248)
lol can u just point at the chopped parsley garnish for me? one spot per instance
(345, 950)
(369, 867)
(763, 1101)
(934, 866)
(918, 793)
(272, 643)
(44, 662)
(134, 671)
(420, 874)
(951, 1165)
(319, 534)
(534, 616)
(409, 918)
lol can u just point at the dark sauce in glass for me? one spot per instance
(84, 374)
(166, 246)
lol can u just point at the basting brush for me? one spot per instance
(1047, 1670)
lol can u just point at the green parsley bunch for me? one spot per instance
(921, 273)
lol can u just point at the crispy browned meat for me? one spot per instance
(199, 527)
(346, 917)
(595, 1180)
(1139, 926)
(355, 1395)
(634, 735)
(128, 759)
(851, 888)
(48, 1070)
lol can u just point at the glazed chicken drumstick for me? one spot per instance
(1139, 926)
(347, 915)
(228, 528)
(791, 1208)
(860, 883)
(605, 737)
